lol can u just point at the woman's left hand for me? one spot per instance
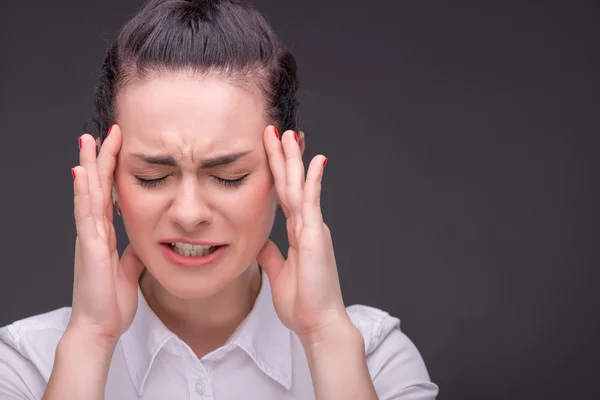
(305, 286)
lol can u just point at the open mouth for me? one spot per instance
(192, 250)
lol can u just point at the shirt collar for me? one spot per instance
(261, 335)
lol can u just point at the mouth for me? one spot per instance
(193, 255)
(192, 250)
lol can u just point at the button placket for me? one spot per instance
(199, 378)
(200, 386)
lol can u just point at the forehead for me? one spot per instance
(184, 113)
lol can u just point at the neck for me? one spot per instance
(205, 324)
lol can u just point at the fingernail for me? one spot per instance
(295, 136)
(325, 162)
(80, 142)
(109, 129)
(73, 172)
(276, 132)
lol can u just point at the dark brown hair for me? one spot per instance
(229, 38)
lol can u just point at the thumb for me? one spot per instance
(131, 265)
(271, 260)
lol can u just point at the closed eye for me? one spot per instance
(231, 182)
(151, 183)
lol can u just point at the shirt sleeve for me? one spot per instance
(395, 365)
(399, 372)
(15, 372)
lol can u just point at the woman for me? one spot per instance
(192, 99)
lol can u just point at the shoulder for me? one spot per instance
(373, 323)
(23, 333)
(31, 342)
(395, 364)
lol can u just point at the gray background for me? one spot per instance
(461, 137)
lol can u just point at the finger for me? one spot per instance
(87, 157)
(294, 175)
(271, 260)
(277, 164)
(85, 222)
(107, 160)
(312, 216)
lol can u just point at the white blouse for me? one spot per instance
(262, 360)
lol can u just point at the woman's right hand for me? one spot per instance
(105, 287)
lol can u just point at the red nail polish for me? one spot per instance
(295, 136)
(109, 129)
(73, 172)
(80, 143)
(276, 132)
(324, 163)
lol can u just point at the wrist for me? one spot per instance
(337, 363)
(80, 337)
(340, 331)
(83, 354)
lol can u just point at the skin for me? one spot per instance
(190, 119)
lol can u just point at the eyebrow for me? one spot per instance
(207, 163)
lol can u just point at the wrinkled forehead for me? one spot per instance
(188, 116)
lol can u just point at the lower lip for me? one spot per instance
(192, 261)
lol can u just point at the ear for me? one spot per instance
(301, 141)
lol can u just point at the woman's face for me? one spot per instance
(172, 126)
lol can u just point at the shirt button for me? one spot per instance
(200, 386)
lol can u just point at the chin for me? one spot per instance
(187, 286)
(195, 283)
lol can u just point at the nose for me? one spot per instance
(189, 208)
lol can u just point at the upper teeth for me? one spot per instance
(191, 247)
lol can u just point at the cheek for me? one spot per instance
(249, 209)
(254, 206)
(137, 205)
